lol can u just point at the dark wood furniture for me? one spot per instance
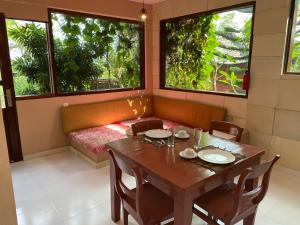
(232, 203)
(182, 180)
(226, 127)
(146, 125)
(145, 203)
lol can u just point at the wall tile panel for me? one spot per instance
(260, 119)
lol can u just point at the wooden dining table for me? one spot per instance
(183, 180)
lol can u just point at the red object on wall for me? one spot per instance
(246, 81)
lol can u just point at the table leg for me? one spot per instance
(183, 211)
(115, 202)
(252, 183)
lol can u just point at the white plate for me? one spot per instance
(216, 156)
(158, 133)
(187, 157)
(182, 137)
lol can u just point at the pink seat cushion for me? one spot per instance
(94, 139)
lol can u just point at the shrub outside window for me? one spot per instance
(207, 52)
(96, 54)
(292, 59)
(29, 57)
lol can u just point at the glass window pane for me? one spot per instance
(29, 57)
(208, 52)
(93, 54)
(293, 60)
(2, 100)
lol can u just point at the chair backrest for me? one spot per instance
(121, 164)
(256, 195)
(146, 125)
(226, 127)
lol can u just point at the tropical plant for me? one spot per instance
(295, 47)
(188, 52)
(90, 54)
(30, 67)
(94, 50)
(208, 52)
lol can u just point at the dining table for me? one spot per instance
(183, 180)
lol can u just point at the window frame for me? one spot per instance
(50, 44)
(162, 77)
(51, 94)
(287, 49)
(52, 55)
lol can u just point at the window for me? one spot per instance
(29, 57)
(207, 52)
(94, 53)
(292, 59)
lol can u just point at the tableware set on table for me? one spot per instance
(160, 137)
(201, 150)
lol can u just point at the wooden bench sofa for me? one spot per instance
(91, 126)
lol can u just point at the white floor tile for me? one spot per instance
(63, 189)
(44, 218)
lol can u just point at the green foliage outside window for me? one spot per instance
(29, 57)
(91, 54)
(208, 52)
(293, 64)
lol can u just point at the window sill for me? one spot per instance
(20, 98)
(28, 97)
(286, 76)
(206, 92)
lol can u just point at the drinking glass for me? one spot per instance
(197, 136)
(171, 139)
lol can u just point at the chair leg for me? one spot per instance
(125, 216)
(212, 218)
(250, 219)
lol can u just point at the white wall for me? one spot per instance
(272, 111)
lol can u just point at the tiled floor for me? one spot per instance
(63, 189)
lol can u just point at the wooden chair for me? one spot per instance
(234, 202)
(145, 203)
(146, 125)
(226, 127)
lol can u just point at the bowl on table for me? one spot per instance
(188, 153)
(182, 134)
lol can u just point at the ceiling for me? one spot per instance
(150, 2)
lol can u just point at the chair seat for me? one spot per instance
(220, 201)
(157, 205)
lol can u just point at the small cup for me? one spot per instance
(189, 152)
(182, 133)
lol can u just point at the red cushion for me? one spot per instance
(94, 139)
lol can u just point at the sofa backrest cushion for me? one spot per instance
(78, 117)
(193, 114)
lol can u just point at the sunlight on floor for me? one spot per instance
(63, 189)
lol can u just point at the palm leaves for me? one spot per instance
(208, 52)
(87, 51)
(32, 64)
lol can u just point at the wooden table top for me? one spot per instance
(167, 164)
